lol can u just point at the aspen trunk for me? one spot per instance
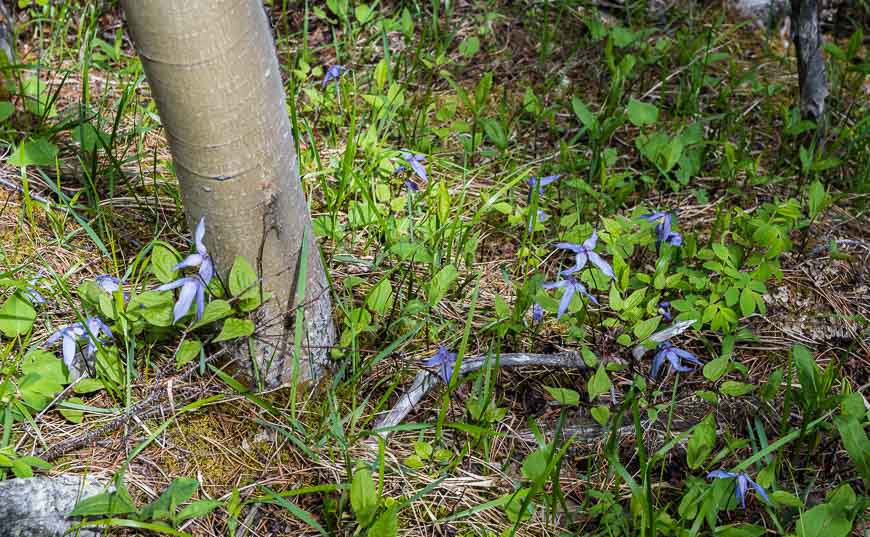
(812, 80)
(214, 74)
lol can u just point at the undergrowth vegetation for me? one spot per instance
(630, 189)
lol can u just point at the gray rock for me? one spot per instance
(767, 13)
(38, 506)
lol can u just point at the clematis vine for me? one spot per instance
(542, 182)
(77, 333)
(585, 252)
(742, 485)
(571, 286)
(442, 361)
(333, 73)
(663, 229)
(192, 287)
(674, 356)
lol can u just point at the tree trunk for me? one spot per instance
(213, 71)
(7, 38)
(807, 37)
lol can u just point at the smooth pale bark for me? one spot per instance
(807, 37)
(214, 73)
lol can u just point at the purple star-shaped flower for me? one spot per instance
(665, 310)
(542, 217)
(31, 292)
(541, 182)
(443, 361)
(571, 286)
(333, 73)
(110, 284)
(674, 356)
(585, 252)
(743, 484)
(73, 334)
(192, 287)
(663, 229)
(537, 313)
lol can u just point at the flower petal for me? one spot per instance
(206, 270)
(675, 362)
(193, 260)
(565, 301)
(69, 350)
(576, 248)
(602, 265)
(173, 285)
(200, 301)
(758, 489)
(198, 235)
(658, 360)
(591, 241)
(419, 169)
(720, 474)
(185, 299)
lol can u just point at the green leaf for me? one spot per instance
(808, 374)
(38, 152)
(163, 261)
(598, 384)
(747, 301)
(645, 329)
(714, 369)
(701, 443)
(107, 503)
(299, 513)
(243, 280)
(535, 466)
(73, 416)
(781, 497)
(441, 283)
(564, 396)
(736, 389)
(179, 491)
(380, 298)
(187, 351)
(816, 198)
(857, 444)
(386, 525)
(6, 110)
(363, 497)
(197, 509)
(154, 306)
(235, 328)
(46, 365)
(823, 520)
(586, 117)
(641, 114)
(601, 414)
(16, 316)
(469, 46)
(214, 311)
(363, 13)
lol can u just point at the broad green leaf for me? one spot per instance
(72, 415)
(469, 46)
(363, 13)
(363, 497)
(380, 298)
(598, 384)
(857, 445)
(198, 509)
(88, 385)
(45, 364)
(644, 329)
(154, 306)
(16, 316)
(601, 414)
(808, 375)
(187, 351)
(214, 311)
(6, 110)
(163, 261)
(701, 442)
(641, 114)
(243, 279)
(179, 491)
(386, 525)
(441, 283)
(816, 198)
(107, 503)
(586, 117)
(564, 396)
(714, 369)
(235, 328)
(38, 152)
(823, 520)
(735, 389)
(781, 497)
(535, 466)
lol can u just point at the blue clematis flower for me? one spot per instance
(443, 360)
(542, 217)
(663, 229)
(192, 287)
(537, 313)
(743, 484)
(76, 333)
(333, 73)
(585, 253)
(415, 161)
(674, 356)
(541, 182)
(31, 293)
(665, 310)
(110, 284)
(571, 286)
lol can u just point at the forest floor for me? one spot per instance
(689, 110)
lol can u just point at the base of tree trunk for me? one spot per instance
(41, 505)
